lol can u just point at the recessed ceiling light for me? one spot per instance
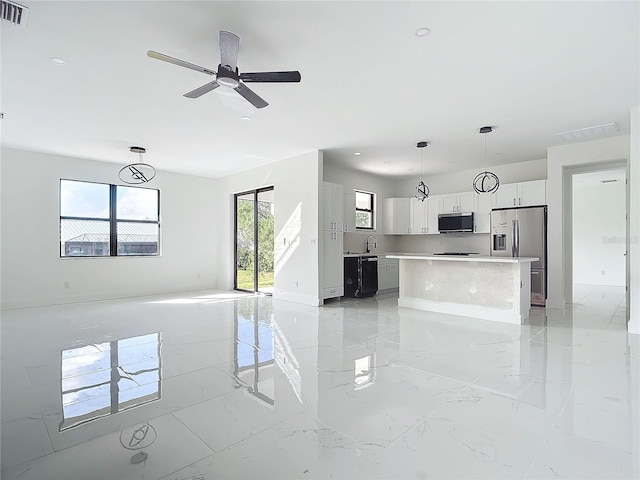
(356, 153)
(245, 118)
(422, 32)
(58, 61)
(387, 162)
(410, 170)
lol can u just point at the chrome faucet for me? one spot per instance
(375, 244)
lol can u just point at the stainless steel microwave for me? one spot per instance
(455, 222)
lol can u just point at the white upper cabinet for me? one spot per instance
(456, 202)
(396, 215)
(349, 212)
(532, 193)
(433, 210)
(419, 220)
(482, 212)
(523, 194)
(424, 215)
(332, 205)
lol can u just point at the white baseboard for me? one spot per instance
(297, 298)
(463, 310)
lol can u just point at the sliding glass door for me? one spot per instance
(254, 238)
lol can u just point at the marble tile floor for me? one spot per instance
(214, 385)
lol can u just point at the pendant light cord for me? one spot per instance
(485, 153)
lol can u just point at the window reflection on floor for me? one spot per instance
(365, 373)
(254, 347)
(102, 379)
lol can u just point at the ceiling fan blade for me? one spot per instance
(202, 90)
(291, 76)
(229, 46)
(250, 95)
(181, 63)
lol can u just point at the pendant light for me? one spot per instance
(422, 190)
(486, 182)
(136, 171)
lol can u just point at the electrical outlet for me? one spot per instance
(198, 275)
(66, 284)
(295, 284)
(602, 272)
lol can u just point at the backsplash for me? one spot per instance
(449, 242)
(356, 242)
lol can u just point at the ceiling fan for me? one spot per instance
(227, 74)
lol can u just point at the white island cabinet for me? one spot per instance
(491, 288)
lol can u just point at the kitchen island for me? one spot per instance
(491, 288)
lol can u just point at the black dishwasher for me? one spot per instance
(360, 276)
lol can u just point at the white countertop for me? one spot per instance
(461, 258)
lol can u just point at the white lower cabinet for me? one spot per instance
(333, 265)
(388, 274)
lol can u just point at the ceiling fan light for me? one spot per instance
(228, 82)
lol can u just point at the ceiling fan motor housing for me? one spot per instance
(227, 77)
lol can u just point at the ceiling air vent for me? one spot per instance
(589, 133)
(14, 13)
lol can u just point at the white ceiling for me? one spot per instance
(369, 84)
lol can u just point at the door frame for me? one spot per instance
(255, 193)
(568, 173)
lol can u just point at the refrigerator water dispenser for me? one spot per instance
(500, 242)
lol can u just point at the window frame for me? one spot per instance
(112, 219)
(371, 211)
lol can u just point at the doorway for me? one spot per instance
(599, 236)
(254, 240)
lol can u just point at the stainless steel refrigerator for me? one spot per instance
(522, 232)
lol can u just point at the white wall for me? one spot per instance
(297, 191)
(383, 188)
(599, 229)
(634, 222)
(559, 160)
(33, 272)
(462, 181)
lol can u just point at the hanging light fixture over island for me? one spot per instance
(421, 189)
(486, 182)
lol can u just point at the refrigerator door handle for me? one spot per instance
(515, 245)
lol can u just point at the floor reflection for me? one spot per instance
(102, 379)
(254, 346)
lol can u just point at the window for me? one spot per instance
(364, 210)
(100, 220)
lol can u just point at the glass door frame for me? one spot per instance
(255, 193)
